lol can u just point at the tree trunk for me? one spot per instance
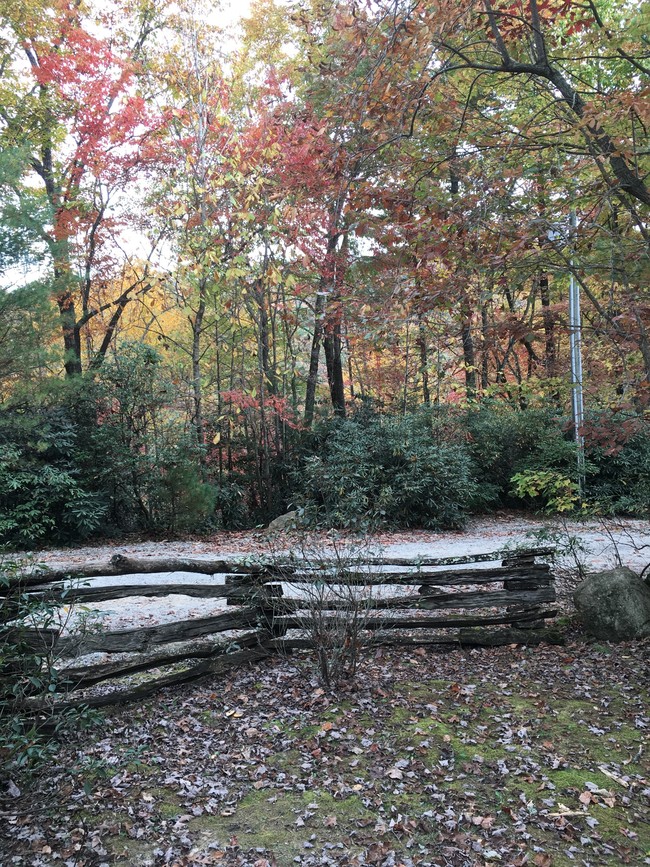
(325, 286)
(485, 343)
(334, 363)
(71, 335)
(601, 145)
(424, 360)
(549, 325)
(469, 356)
(314, 358)
(197, 389)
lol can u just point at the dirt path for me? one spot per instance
(597, 544)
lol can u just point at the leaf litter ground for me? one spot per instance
(505, 756)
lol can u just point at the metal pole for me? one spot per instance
(575, 338)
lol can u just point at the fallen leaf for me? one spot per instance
(617, 779)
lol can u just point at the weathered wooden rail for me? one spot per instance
(271, 606)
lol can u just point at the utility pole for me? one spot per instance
(575, 338)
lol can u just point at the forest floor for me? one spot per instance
(442, 757)
(453, 758)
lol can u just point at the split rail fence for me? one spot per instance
(270, 607)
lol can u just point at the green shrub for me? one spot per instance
(180, 500)
(42, 494)
(230, 505)
(389, 471)
(511, 448)
(555, 491)
(619, 465)
(136, 449)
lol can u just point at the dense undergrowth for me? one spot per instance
(110, 455)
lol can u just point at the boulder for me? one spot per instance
(614, 605)
(288, 521)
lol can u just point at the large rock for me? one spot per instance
(614, 605)
(288, 521)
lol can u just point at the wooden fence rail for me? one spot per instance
(278, 600)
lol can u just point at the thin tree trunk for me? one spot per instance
(332, 341)
(197, 389)
(348, 355)
(314, 358)
(469, 356)
(217, 350)
(424, 360)
(549, 325)
(407, 359)
(485, 335)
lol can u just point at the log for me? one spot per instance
(500, 637)
(456, 561)
(81, 677)
(529, 583)
(449, 622)
(487, 599)
(142, 638)
(203, 669)
(531, 624)
(260, 594)
(422, 601)
(435, 579)
(120, 564)
(527, 556)
(466, 638)
(32, 638)
(66, 594)
(287, 605)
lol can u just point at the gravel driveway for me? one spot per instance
(598, 545)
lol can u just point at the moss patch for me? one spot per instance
(283, 822)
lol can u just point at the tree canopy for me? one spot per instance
(229, 234)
